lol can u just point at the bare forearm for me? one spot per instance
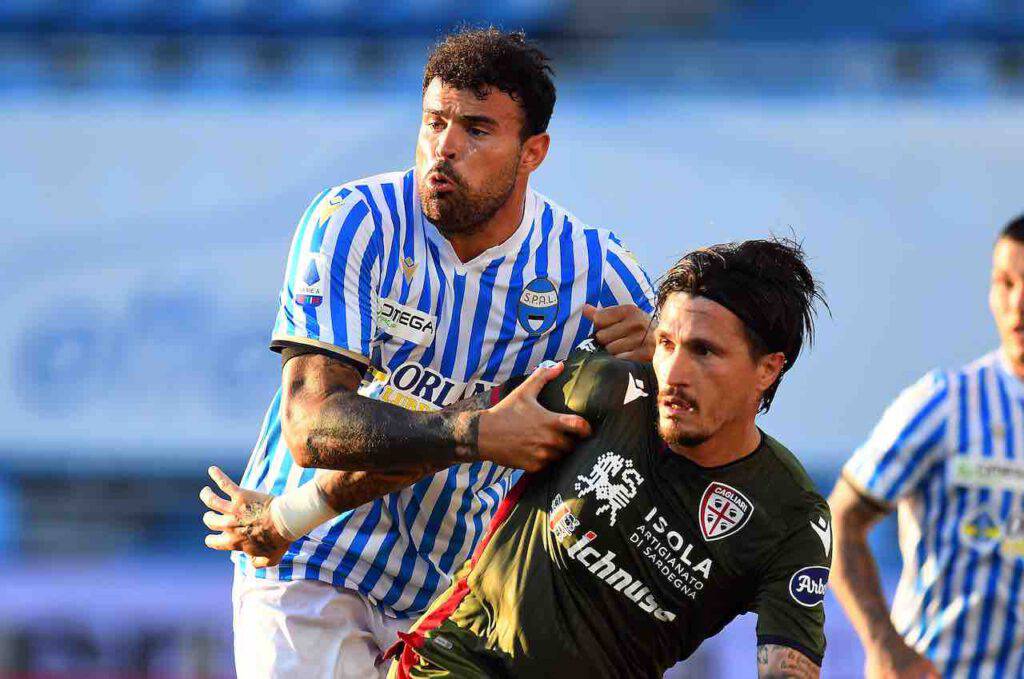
(326, 425)
(858, 587)
(782, 662)
(854, 570)
(347, 490)
(350, 432)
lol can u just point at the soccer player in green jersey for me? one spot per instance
(677, 515)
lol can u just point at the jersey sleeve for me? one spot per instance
(789, 599)
(625, 281)
(332, 278)
(589, 385)
(904, 444)
(592, 384)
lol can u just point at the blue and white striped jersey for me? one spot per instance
(369, 277)
(949, 453)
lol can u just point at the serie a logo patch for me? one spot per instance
(309, 288)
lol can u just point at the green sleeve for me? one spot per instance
(588, 386)
(789, 599)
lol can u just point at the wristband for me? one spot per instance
(300, 510)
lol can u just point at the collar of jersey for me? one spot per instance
(511, 244)
(671, 454)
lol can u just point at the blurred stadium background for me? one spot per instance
(157, 154)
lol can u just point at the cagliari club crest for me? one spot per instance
(723, 511)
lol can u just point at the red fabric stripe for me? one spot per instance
(416, 636)
(495, 395)
(504, 509)
(406, 662)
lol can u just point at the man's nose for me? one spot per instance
(448, 143)
(679, 369)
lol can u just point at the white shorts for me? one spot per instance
(308, 629)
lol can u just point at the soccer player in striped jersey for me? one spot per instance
(403, 293)
(949, 454)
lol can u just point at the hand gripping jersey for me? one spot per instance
(622, 558)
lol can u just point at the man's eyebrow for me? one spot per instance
(700, 339)
(471, 119)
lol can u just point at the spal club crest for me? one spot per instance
(538, 306)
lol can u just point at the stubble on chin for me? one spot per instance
(464, 211)
(673, 435)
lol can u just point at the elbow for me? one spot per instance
(844, 524)
(313, 448)
(847, 521)
(296, 430)
(298, 446)
(302, 457)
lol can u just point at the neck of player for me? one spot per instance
(494, 231)
(734, 441)
(1014, 362)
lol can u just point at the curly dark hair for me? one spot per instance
(766, 283)
(483, 58)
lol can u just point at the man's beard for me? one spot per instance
(462, 211)
(674, 437)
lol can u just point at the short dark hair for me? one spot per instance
(484, 58)
(766, 283)
(1014, 230)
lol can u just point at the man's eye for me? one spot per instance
(477, 132)
(435, 124)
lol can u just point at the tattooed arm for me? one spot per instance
(856, 584)
(328, 426)
(344, 490)
(782, 662)
(245, 518)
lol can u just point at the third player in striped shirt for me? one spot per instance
(949, 454)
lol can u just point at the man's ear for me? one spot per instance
(535, 149)
(769, 367)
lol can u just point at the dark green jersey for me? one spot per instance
(622, 558)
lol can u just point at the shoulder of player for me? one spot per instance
(580, 229)
(931, 394)
(604, 381)
(796, 510)
(931, 398)
(790, 483)
(365, 197)
(940, 387)
(598, 365)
